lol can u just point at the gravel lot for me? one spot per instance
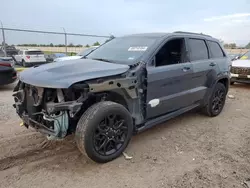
(190, 151)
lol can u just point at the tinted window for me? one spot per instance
(216, 51)
(171, 53)
(33, 52)
(198, 49)
(123, 50)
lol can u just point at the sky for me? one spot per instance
(228, 20)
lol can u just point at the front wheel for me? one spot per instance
(104, 131)
(216, 101)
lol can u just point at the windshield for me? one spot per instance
(124, 49)
(245, 56)
(86, 51)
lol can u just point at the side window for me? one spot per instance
(171, 53)
(216, 51)
(198, 49)
(20, 52)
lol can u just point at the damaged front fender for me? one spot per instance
(131, 86)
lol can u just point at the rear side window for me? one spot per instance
(33, 52)
(216, 51)
(198, 49)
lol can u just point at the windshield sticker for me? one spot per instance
(138, 48)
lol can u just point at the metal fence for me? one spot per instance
(66, 47)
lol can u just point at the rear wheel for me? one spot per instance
(216, 101)
(104, 131)
(24, 64)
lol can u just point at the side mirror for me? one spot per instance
(237, 57)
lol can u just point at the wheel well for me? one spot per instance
(224, 81)
(115, 97)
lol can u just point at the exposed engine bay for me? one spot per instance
(46, 110)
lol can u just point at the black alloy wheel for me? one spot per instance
(216, 101)
(110, 135)
(104, 131)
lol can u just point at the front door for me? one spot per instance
(169, 79)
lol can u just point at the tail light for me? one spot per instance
(14, 76)
(5, 64)
(28, 56)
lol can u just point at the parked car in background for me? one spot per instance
(10, 50)
(30, 57)
(240, 70)
(78, 56)
(52, 57)
(8, 74)
(125, 86)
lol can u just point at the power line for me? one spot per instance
(53, 32)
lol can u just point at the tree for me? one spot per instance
(87, 46)
(226, 45)
(71, 45)
(230, 45)
(248, 46)
(51, 45)
(96, 43)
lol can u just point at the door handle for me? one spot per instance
(185, 69)
(212, 64)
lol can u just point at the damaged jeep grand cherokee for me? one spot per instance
(125, 86)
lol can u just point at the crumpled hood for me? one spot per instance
(241, 63)
(65, 73)
(67, 58)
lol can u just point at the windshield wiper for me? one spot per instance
(101, 59)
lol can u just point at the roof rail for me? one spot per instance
(183, 32)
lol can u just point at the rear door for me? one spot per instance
(203, 67)
(168, 86)
(36, 56)
(218, 57)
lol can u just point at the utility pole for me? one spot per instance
(65, 35)
(4, 46)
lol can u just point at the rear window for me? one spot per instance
(216, 51)
(198, 49)
(34, 53)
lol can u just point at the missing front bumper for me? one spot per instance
(28, 122)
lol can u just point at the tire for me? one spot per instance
(24, 63)
(103, 126)
(216, 101)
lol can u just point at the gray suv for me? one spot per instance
(125, 86)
